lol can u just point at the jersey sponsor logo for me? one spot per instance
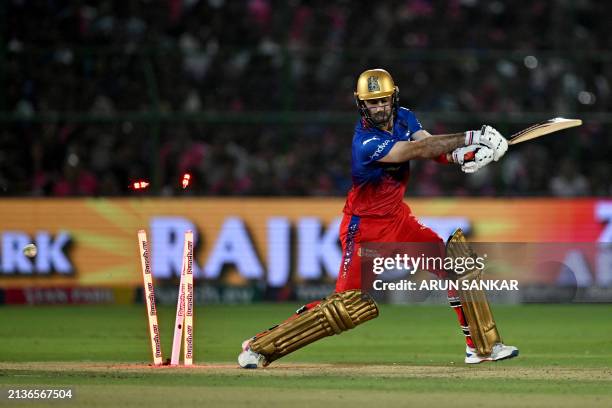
(380, 149)
(373, 85)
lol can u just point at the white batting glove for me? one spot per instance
(465, 154)
(489, 137)
(482, 157)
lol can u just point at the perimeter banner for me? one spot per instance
(268, 242)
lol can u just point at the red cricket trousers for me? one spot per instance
(403, 227)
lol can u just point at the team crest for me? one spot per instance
(373, 85)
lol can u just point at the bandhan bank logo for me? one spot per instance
(189, 300)
(145, 255)
(189, 340)
(153, 307)
(157, 341)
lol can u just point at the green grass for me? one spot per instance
(411, 354)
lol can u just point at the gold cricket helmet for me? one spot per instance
(375, 83)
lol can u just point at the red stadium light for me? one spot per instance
(186, 179)
(139, 185)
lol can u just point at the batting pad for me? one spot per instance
(481, 323)
(335, 314)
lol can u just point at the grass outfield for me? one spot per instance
(410, 356)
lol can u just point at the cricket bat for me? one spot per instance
(537, 130)
(543, 128)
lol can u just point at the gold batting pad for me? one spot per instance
(335, 314)
(475, 303)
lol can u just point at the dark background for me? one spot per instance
(255, 97)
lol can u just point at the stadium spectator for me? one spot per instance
(111, 68)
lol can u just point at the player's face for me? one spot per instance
(380, 109)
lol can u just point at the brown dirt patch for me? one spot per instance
(484, 371)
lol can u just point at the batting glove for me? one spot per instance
(481, 157)
(464, 154)
(489, 137)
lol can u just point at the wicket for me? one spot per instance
(180, 318)
(188, 299)
(184, 304)
(149, 294)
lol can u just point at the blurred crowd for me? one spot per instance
(85, 83)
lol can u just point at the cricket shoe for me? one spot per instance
(500, 352)
(248, 358)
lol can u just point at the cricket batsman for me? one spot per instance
(386, 138)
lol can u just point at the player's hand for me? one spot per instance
(482, 156)
(489, 137)
(464, 154)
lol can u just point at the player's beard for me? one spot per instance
(382, 117)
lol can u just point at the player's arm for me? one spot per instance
(421, 134)
(458, 156)
(424, 148)
(444, 157)
(428, 146)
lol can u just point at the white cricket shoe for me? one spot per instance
(248, 358)
(500, 352)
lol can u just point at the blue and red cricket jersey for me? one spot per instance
(375, 210)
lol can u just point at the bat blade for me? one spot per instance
(543, 128)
